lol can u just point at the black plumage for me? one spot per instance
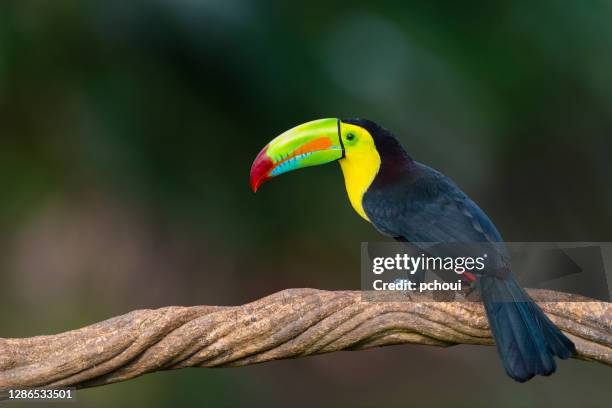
(413, 202)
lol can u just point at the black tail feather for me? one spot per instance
(526, 339)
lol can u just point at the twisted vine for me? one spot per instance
(288, 324)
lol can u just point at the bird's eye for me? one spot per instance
(350, 136)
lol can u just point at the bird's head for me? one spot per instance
(356, 142)
(363, 149)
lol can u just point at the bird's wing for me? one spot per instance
(431, 209)
(442, 221)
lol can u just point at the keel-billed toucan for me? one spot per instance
(415, 203)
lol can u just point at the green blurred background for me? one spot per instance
(127, 131)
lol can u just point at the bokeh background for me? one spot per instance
(127, 130)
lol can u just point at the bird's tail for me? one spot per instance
(526, 339)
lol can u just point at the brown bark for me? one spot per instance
(288, 324)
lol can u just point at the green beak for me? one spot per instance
(310, 144)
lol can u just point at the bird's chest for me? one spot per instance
(384, 210)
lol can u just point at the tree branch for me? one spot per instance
(288, 324)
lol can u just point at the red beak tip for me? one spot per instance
(256, 182)
(260, 169)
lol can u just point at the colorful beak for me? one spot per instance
(310, 144)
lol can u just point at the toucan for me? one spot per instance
(414, 203)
